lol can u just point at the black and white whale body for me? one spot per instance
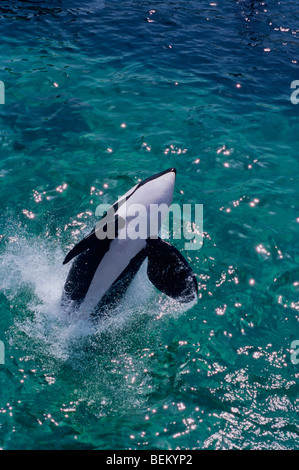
(103, 268)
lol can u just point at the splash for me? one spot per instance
(105, 366)
(32, 278)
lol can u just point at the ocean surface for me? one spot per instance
(98, 95)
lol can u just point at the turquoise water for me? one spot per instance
(97, 95)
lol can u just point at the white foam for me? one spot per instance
(111, 358)
(32, 268)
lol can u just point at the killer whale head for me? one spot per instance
(155, 191)
(103, 268)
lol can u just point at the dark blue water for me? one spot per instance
(97, 95)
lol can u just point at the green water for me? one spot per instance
(97, 95)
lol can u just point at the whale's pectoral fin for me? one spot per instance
(98, 237)
(169, 271)
(83, 245)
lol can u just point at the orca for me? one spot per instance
(103, 267)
